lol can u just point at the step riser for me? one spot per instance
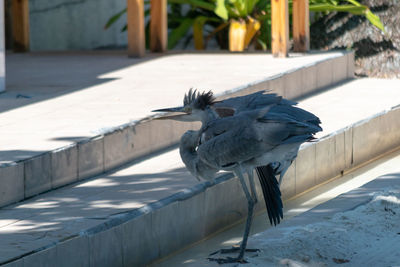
(106, 152)
(342, 151)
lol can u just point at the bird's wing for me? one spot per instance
(235, 139)
(232, 140)
(236, 105)
(292, 113)
(278, 132)
(282, 109)
(230, 147)
(243, 120)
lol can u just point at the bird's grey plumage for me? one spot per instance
(248, 136)
(262, 131)
(251, 102)
(247, 140)
(203, 107)
(283, 110)
(187, 150)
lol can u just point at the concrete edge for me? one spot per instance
(210, 206)
(136, 139)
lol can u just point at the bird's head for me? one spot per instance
(194, 105)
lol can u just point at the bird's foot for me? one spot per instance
(228, 260)
(233, 250)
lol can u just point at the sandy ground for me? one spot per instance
(366, 236)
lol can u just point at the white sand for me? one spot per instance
(366, 236)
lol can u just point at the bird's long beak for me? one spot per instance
(176, 109)
(183, 116)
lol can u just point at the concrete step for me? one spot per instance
(153, 207)
(62, 123)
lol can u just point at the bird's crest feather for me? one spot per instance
(199, 100)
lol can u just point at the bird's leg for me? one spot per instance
(250, 174)
(250, 206)
(283, 171)
(280, 180)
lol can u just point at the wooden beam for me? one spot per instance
(135, 22)
(301, 27)
(280, 27)
(20, 25)
(158, 25)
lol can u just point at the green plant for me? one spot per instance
(215, 15)
(210, 18)
(350, 6)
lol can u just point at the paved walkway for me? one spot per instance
(55, 99)
(65, 212)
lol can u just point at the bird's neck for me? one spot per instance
(188, 155)
(208, 115)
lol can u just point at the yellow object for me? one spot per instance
(252, 27)
(237, 33)
(198, 33)
(198, 38)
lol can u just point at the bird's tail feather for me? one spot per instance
(272, 193)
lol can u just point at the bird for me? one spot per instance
(262, 131)
(204, 107)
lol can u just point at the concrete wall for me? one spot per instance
(75, 24)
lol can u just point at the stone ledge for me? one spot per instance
(118, 146)
(134, 233)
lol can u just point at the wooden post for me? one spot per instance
(135, 22)
(280, 27)
(301, 27)
(20, 25)
(158, 25)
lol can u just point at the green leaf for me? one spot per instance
(221, 10)
(250, 6)
(262, 44)
(178, 33)
(354, 2)
(374, 19)
(196, 3)
(240, 6)
(357, 10)
(333, 2)
(114, 18)
(354, 8)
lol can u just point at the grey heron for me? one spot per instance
(262, 131)
(203, 107)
